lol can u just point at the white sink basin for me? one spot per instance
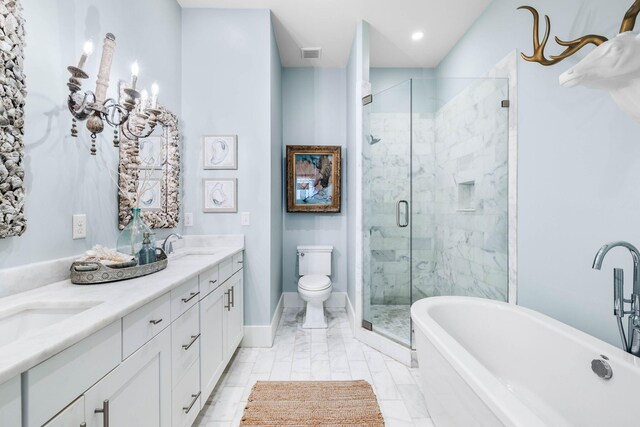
(25, 320)
(184, 252)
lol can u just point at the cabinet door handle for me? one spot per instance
(83, 424)
(233, 297)
(240, 262)
(186, 409)
(105, 413)
(155, 322)
(194, 338)
(213, 282)
(192, 295)
(228, 294)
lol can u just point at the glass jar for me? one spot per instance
(131, 238)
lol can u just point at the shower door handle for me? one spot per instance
(406, 214)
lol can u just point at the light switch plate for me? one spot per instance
(79, 228)
(188, 219)
(245, 218)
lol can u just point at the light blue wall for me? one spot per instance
(315, 113)
(578, 165)
(277, 206)
(385, 78)
(61, 177)
(227, 74)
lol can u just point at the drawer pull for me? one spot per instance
(192, 295)
(233, 297)
(213, 282)
(194, 338)
(240, 262)
(228, 294)
(105, 413)
(155, 322)
(186, 409)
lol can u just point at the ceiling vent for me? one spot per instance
(311, 52)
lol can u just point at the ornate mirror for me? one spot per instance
(149, 174)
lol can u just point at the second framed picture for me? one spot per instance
(220, 195)
(220, 152)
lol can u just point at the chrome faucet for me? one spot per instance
(167, 245)
(632, 343)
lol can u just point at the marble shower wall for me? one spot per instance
(458, 189)
(471, 194)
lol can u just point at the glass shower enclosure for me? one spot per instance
(435, 193)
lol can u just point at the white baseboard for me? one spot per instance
(262, 336)
(336, 300)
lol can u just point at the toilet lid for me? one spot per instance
(314, 283)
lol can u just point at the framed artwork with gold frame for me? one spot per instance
(314, 178)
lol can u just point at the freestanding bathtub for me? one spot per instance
(487, 363)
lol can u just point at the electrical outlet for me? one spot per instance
(245, 218)
(188, 219)
(79, 226)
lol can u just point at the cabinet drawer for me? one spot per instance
(59, 380)
(184, 297)
(225, 269)
(145, 323)
(209, 280)
(238, 260)
(186, 399)
(185, 342)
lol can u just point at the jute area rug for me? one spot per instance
(312, 403)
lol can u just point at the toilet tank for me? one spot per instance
(314, 260)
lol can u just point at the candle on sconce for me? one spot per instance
(135, 69)
(155, 89)
(102, 83)
(86, 51)
(144, 95)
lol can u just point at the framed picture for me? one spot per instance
(313, 178)
(220, 152)
(151, 156)
(150, 194)
(220, 195)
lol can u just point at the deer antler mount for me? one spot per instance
(614, 65)
(573, 46)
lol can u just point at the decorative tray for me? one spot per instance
(93, 273)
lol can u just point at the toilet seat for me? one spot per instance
(314, 283)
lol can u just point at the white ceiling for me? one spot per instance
(331, 24)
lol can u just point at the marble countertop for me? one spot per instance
(108, 303)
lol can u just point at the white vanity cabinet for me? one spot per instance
(71, 416)
(136, 393)
(10, 402)
(221, 326)
(154, 367)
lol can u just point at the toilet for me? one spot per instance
(314, 285)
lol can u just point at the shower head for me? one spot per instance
(373, 140)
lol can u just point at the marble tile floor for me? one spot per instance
(393, 321)
(317, 355)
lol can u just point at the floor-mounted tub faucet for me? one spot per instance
(632, 344)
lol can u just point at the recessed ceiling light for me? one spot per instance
(418, 35)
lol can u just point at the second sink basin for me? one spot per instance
(25, 320)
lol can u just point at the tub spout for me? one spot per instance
(632, 345)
